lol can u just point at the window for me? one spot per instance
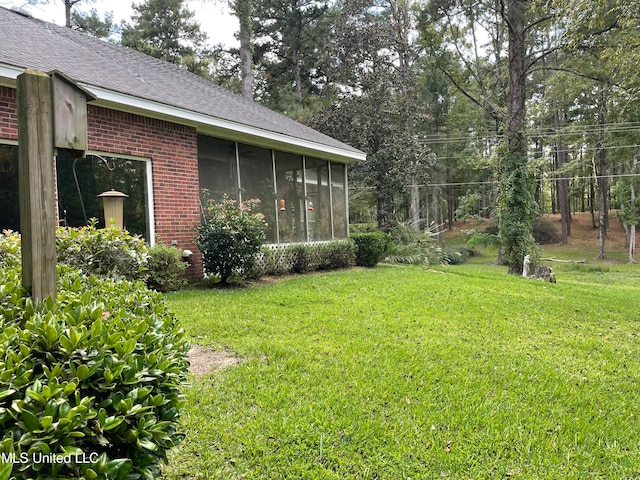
(81, 179)
(339, 200)
(291, 204)
(302, 199)
(217, 167)
(318, 200)
(9, 198)
(256, 181)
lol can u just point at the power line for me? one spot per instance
(552, 179)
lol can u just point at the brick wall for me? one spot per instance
(172, 149)
(8, 114)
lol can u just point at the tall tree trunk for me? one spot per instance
(297, 76)
(603, 179)
(516, 205)
(243, 11)
(415, 204)
(563, 197)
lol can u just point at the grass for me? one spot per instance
(403, 372)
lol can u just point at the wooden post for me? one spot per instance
(35, 173)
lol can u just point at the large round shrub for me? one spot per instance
(90, 383)
(370, 248)
(230, 237)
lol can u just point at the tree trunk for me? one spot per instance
(563, 196)
(632, 229)
(517, 205)
(603, 179)
(415, 205)
(243, 11)
(297, 76)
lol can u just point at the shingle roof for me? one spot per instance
(27, 42)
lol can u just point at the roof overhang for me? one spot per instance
(208, 125)
(204, 124)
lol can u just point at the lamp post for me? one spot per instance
(113, 204)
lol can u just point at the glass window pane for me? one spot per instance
(340, 220)
(81, 180)
(9, 199)
(217, 168)
(318, 200)
(256, 181)
(291, 205)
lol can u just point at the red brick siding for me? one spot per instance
(173, 151)
(8, 114)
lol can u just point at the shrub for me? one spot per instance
(107, 252)
(92, 378)
(301, 258)
(336, 255)
(10, 249)
(304, 258)
(165, 267)
(370, 248)
(545, 232)
(230, 237)
(411, 247)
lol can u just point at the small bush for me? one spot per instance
(545, 232)
(106, 252)
(457, 255)
(165, 268)
(10, 249)
(230, 238)
(302, 258)
(336, 255)
(370, 248)
(93, 378)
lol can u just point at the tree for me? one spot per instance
(243, 9)
(455, 27)
(290, 37)
(165, 29)
(91, 23)
(367, 104)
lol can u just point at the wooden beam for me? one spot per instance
(36, 183)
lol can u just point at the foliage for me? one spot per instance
(544, 232)
(165, 267)
(166, 29)
(307, 257)
(290, 37)
(91, 24)
(94, 376)
(230, 237)
(516, 211)
(408, 372)
(10, 255)
(411, 247)
(107, 252)
(370, 248)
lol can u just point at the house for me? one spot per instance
(160, 135)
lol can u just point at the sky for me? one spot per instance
(213, 16)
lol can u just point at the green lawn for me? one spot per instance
(412, 372)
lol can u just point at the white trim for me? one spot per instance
(272, 139)
(10, 72)
(208, 124)
(151, 219)
(150, 207)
